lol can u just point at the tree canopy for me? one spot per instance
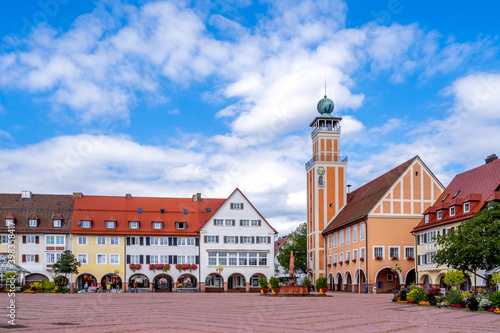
(297, 242)
(475, 244)
(67, 264)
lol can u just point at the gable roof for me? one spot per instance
(477, 186)
(153, 209)
(279, 244)
(361, 201)
(45, 207)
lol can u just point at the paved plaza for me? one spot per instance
(344, 312)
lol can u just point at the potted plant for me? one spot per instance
(322, 285)
(275, 285)
(166, 267)
(334, 264)
(361, 259)
(353, 260)
(410, 258)
(347, 261)
(378, 258)
(329, 265)
(394, 258)
(307, 283)
(340, 263)
(134, 267)
(263, 285)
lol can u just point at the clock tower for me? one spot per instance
(326, 185)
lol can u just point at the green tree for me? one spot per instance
(297, 242)
(475, 244)
(454, 277)
(67, 264)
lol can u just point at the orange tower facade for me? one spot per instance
(326, 184)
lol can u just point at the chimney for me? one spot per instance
(77, 195)
(349, 188)
(491, 158)
(128, 196)
(195, 198)
(198, 195)
(26, 194)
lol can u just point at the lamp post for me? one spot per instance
(219, 268)
(395, 270)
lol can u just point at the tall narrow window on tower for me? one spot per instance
(321, 181)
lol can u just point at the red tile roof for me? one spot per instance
(361, 201)
(477, 186)
(279, 244)
(99, 208)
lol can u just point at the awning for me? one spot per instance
(5, 266)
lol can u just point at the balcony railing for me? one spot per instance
(335, 128)
(319, 158)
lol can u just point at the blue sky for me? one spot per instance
(170, 98)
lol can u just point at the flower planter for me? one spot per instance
(361, 259)
(274, 292)
(321, 292)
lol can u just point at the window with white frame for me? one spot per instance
(181, 241)
(348, 235)
(378, 251)
(355, 254)
(82, 258)
(335, 258)
(466, 207)
(233, 259)
(135, 258)
(30, 239)
(101, 259)
(211, 239)
(230, 239)
(86, 224)
(190, 259)
(9, 222)
(54, 240)
(341, 256)
(409, 252)
(219, 222)
(133, 225)
(362, 253)
(114, 240)
(348, 256)
(101, 240)
(394, 252)
(154, 241)
(30, 258)
(164, 259)
(190, 241)
(57, 223)
(341, 237)
(223, 259)
(5, 239)
(110, 224)
(114, 259)
(362, 227)
(255, 223)
(212, 259)
(330, 241)
(355, 233)
(329, 260)
(247, 240)
(263, 240)
(229, 223)
(335, 243)
(181, 259)
(33, 223)
(237, 205)
(154, 259)
(426, 217)
(439, 215)
(163, 242)
(262, 259)
(252, 259)
(245, 223)
(157, 225)
(82, 240)
(452, 211)
(52, 257)
(243, 259)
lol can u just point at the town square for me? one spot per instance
(249, 166)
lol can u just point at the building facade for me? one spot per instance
(465, 196)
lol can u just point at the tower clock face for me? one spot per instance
(321, 171)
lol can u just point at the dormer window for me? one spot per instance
(439, 215)
(32, 223)
(9, 222)
(133, 225)
(181, 225)
(452, 211)
(157, 225)
(86, 224)
(110, 224)
(466, 207)
(56, 223)
(426, 218)
(237, 205)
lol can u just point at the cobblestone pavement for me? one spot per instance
(344, 312)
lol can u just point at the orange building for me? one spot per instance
(356, 238)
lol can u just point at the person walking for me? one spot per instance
(135, 286)
(86, 286)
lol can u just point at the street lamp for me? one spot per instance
(219, 268)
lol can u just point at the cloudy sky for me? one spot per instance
(170, 98)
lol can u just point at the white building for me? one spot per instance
(240, 241)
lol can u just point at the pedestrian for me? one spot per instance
(118, 287)
(86, 287)
(135, 286)
(67, 287)
(108, 287)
